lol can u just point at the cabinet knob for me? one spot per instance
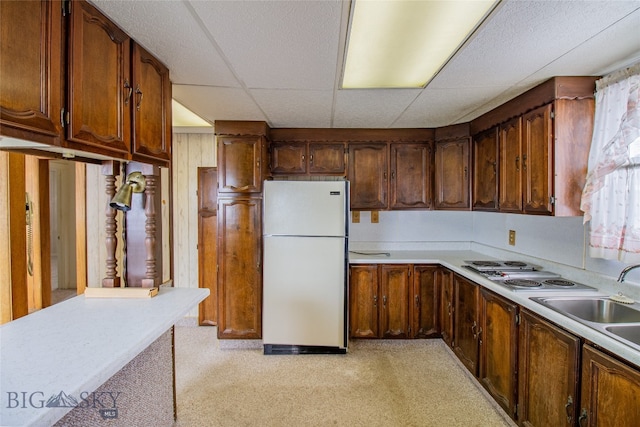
(384, 301)
(311, 158)
(583, 417)
(518, 163)
(375, 301)
(127, 85)
(568, 407)
(139, 97)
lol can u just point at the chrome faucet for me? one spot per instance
(625, 271)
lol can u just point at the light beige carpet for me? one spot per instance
(378, 383)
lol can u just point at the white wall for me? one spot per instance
(559, 240)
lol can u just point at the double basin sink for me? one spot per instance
(617, 320)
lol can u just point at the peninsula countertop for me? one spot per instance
(76, 345)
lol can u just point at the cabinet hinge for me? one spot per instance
(552, 200)
(66, 8)
(552, 115)
(517, 319)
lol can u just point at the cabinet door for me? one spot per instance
(466, 323)
(240, 164)
(425, 307)
(446, 305)
(510, 187)
(240, 268)
(208, 243)
(610, 391)
(485, 182)
(452, 174)
(395, 291)
(410, 176)
(151, 101)
(537, 161)
(31, 78)
(499, 350)
(327, 159)
(288, 159)
(99, 83)
(548, 360)
(368, 165)
(363, 301)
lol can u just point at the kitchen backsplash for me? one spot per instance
(558, 240)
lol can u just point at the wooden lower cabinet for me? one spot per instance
(425, 304)
(363, 301)
(610, 391)
(446, 305)
(393, 301)
(548, 373)
(499, 349)
(466, 322)
(395, 287)
(239, 267)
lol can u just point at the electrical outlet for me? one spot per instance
(355, 217)
(512, 237)
(375, 217)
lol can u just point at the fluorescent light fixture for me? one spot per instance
(404, 43)
(181, 116)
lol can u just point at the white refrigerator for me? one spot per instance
(305, 280)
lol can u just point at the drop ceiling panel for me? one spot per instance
(371, 108)
(214, 103)
(295, 108)
(169, 31)
(443, 107)
(277, 44)
(523, 37)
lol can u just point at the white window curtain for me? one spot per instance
(611, 196)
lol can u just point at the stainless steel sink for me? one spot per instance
(599, 310)
(627, 332)
(616, 320)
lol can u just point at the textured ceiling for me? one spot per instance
(281, 61)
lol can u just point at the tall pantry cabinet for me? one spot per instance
(242, 166)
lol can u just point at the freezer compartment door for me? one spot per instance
(304, 291)
(305, 208)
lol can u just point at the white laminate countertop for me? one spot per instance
(76, 345)
(454, 259)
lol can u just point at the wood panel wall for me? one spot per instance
(189, 152)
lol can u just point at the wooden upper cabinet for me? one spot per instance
(548, 372)
(240, 162)
(368, 164)
(511, 164)
(151, 107)
(288, 158)
(537, 161)
(100, 88)
(485, 171)
(313, 158)
(452, 174)
(610, 390)
(30, 68)
(410, 170)
(327, 158)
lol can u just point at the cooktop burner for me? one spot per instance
(522, 283)
(487, 265)
(559, 282)
(521, 276)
